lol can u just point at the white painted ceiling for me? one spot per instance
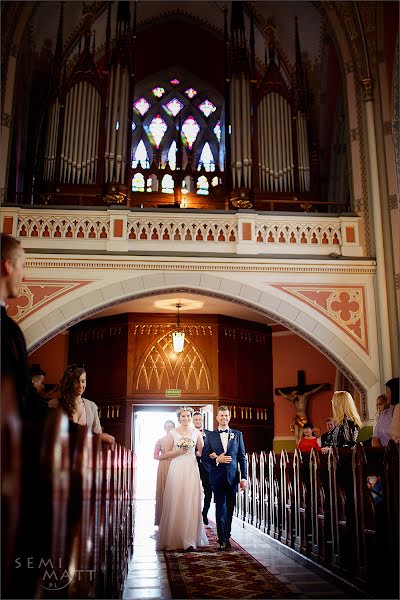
(193, 304)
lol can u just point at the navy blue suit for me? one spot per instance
(225, 477)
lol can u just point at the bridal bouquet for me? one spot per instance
(185, 443)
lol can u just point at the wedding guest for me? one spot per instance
(347, 422)
(227, 446)
(162, 471)
(308, 441)
(14, 356)
(395, 426)
(198, 423)
(382, 403)
(330, 424)
(37, 376)
(79, 410)
(181, 525)
(382, 435)
(317, 433)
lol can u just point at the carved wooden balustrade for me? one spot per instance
(323, 507)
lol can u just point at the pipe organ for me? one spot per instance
(79, 152)
(264, 150)
(117, 125)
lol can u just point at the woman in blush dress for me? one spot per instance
(181, 524)
(162, 471)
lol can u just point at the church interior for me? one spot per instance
(227, 175)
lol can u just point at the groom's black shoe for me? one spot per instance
(205, 519)
(221, 547)
(228, 545)
(190, 549)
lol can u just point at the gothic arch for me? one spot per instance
(281, 308)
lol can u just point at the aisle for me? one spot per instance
(147, 577)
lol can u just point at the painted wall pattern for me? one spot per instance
(36, 293)
(344, 305)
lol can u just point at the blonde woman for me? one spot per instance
(348, 422)
(181, 524)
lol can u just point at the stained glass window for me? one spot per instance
(117, 126)
(206, 158)
(133, 126)
(207, 108)
(172, 156)
(158, 92)
(174, 106)
(175, 81)
(149, 184)
(191, 93)
(141, 156)
(138, 183)
(157, 128)
(214, 181)
(142, 106)
(217, 130)
(202, 185)
(167, 184)
(190, 130)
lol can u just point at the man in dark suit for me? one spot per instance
(203, 470)
(223, 452)
(330, 424)
(14, 361)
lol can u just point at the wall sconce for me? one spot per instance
(178, 336)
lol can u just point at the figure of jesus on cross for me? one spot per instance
(299, 395)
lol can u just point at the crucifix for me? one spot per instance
(299, 395)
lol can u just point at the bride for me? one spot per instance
(181, 524)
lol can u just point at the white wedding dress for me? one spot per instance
(181, 523)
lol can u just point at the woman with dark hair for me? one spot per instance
(79, 409)
(308, 441)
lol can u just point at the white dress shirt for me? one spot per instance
(224, 439)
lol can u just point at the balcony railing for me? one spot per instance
(181, 231)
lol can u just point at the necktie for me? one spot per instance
(223, 430)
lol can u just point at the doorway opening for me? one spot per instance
(148, 427)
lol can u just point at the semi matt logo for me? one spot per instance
(53, 574)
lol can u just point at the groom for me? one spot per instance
(223, 451)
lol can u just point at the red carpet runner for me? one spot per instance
(208, 573)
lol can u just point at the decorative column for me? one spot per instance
(385, 352)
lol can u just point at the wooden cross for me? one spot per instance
(301, 386)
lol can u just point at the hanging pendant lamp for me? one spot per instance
(178, 336)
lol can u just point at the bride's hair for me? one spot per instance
(182, 409)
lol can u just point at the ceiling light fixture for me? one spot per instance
(178, 336)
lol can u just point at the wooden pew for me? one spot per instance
(321, 544)
(287, 498)
(391, 469)
(264, 492)
(300, 504)
(274, 497)
(255, 493)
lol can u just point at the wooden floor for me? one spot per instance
(147, 577)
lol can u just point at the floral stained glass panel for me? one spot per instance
(207, 107)
(157, 128)
(217, 130)
(141, 156)
(138, 183)
(174, 106)
(175, 81)
(190, 130)
(191, 93)
(172, 156)
(142, 106)
(206, 158)
(158, 92)
(167, 184)
(202, 186)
